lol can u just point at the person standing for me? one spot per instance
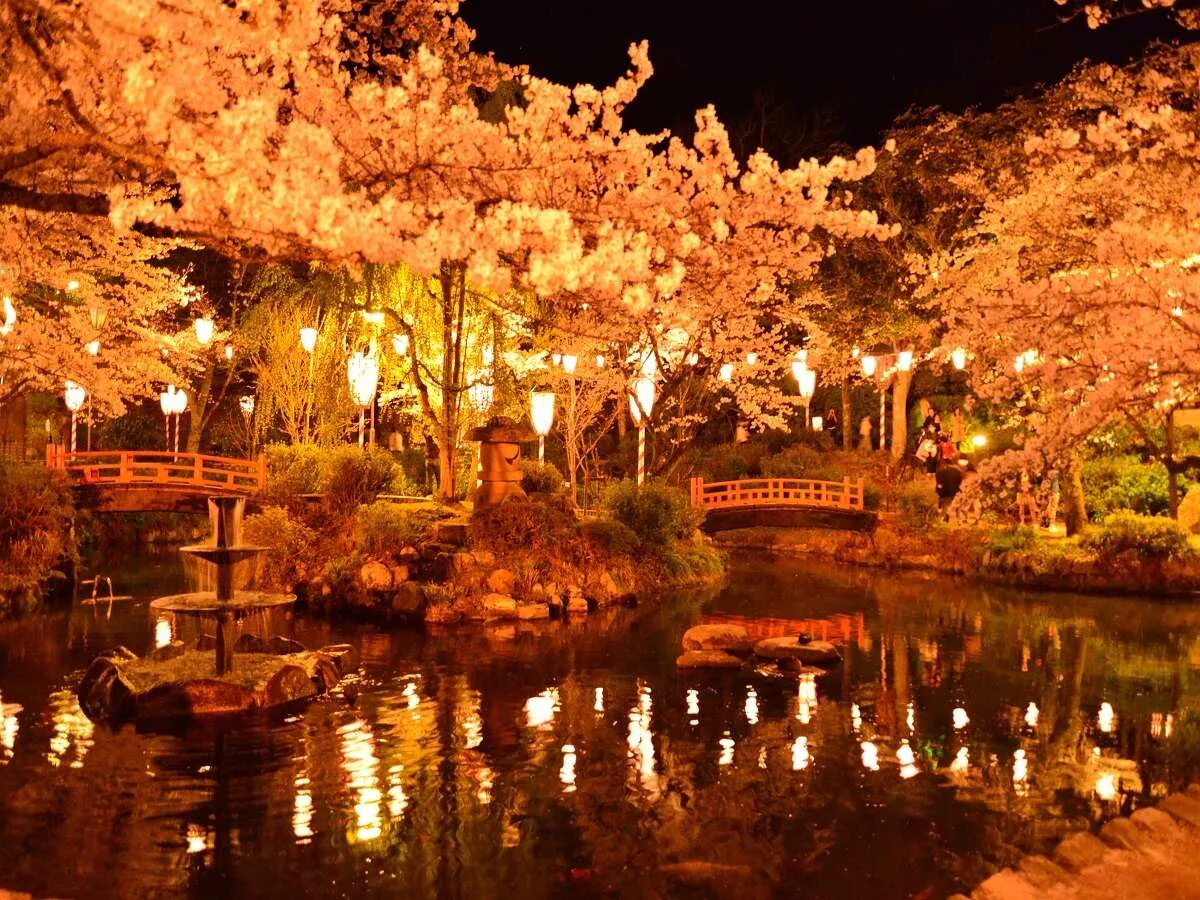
(833, 425)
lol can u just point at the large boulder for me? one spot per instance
(499, 606)
(533, 610)
(502, 581)
(105, 692)
(344, 656)
(375, 576)
(1189, 511)
(290, 683)
(708, 659)
(815, 653)
(409, 600)
(194, 697)
(731, 638)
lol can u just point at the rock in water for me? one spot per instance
(731, 638)
(344, 656)
(105, 692)
(533, 610)
(815, 653)
(375, 576)
(499, 606)
(288, 684)
(194, 697)
(708, 659)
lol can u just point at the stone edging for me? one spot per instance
(1120, 843)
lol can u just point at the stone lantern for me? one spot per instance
(499, 460)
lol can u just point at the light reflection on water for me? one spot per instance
(576, 760)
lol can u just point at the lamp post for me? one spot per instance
(641, 401)
(246, 402)
(362, 371)
(569, 364)
(806, 383)
(308, 341)
(166, 402)
(541, 414)
(181, 402)
(73, 395)
(869, 365)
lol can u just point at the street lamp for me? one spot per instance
(172, 402)
(641, 401)
(74, 395)
(204, 330)
(869, 365)
(246, 402)
(181, 402)
(541, 413)
(362, 371)
(308, 341)
(806, 380)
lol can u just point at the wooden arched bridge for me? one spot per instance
(782, 502)
(154, 480)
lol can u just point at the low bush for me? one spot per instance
(688, 561)
(1150, 537)
(657, 513)
(292, 545)
(36, 514)
(872, 496)
(544, 520)
(1114, 483)
(1012, 540)
(610, 536)
(917, 505)
(540, 478)
(347, 475)
(382, 529)
(794, 462)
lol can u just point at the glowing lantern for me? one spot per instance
(808, 384)
(308, 339)
(569, 363)
(818, 423)
(855, 352)
(599, 360)
(10, 316)
(72, 285)
(541, 414)
(869, 364)
(400, 344)
(640, 404)
(904, 360)
(92, 347)
(229, 351)
(556, 358)
(693, 359)
(362, 371)
(204, 330)
(751, 358)
(726, 373)
(979, 441)
(958, 356)
(247, 404)
(74, 395)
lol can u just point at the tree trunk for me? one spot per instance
(847, 430)
(900, 386)
(446, 466)
(1074, 507)
(199, 412)
(1172, 475)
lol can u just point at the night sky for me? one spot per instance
(825, 72)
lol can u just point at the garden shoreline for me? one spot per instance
(964, 553)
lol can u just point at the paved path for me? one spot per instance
(1153, 855)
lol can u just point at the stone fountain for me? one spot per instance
(180, 682)
(224, 605)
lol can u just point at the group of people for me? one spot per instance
(941, 459)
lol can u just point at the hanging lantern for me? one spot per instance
(92, 347)
(818, 423)
(869, 363)
(308, 339)
(400, 344)
(855, 352)
(904, 360)
(599, 360)
(74, 395)
(642, 400)
(693, 359)
(362, 371)
(569, 362)
(10, 316)
(751, 358)
(229, 351)
(958, 356)
(541, 411)
(556, 358)
(204, 330)
(72, 285)
(726, 373)
(166, 400)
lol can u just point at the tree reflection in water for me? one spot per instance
(966, 725)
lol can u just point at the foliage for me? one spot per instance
(657, 513)
(348, 475)
(292, 544)
(36, 514)
(610, 535)
(685, 561)
(1113, 483)
(917, 505)
(545, 520)
(382, 529)
(1149, 537)
(872, 496)
(539, 478)
(1011, 540)
(800, 461)
(340, 575)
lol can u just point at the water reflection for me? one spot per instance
(964, 726)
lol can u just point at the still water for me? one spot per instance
(967, 725)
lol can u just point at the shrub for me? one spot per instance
(686, 561)
(347, 475)
(545, 520)
(1012, 540)
(610, 536)
(359, 476)
(383, 528)
(539, 478)
(292, 544)
(872, 496)
(1114, 483)
(657, 513)
(36, 514)
(917, 505)
(1151, 537)
(794, 462)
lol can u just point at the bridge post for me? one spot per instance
(696, 491)
(262, 471)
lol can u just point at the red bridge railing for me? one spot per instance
(774, 492)
(142, 468)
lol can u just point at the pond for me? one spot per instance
(967, 725)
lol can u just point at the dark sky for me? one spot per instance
(827, 71)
